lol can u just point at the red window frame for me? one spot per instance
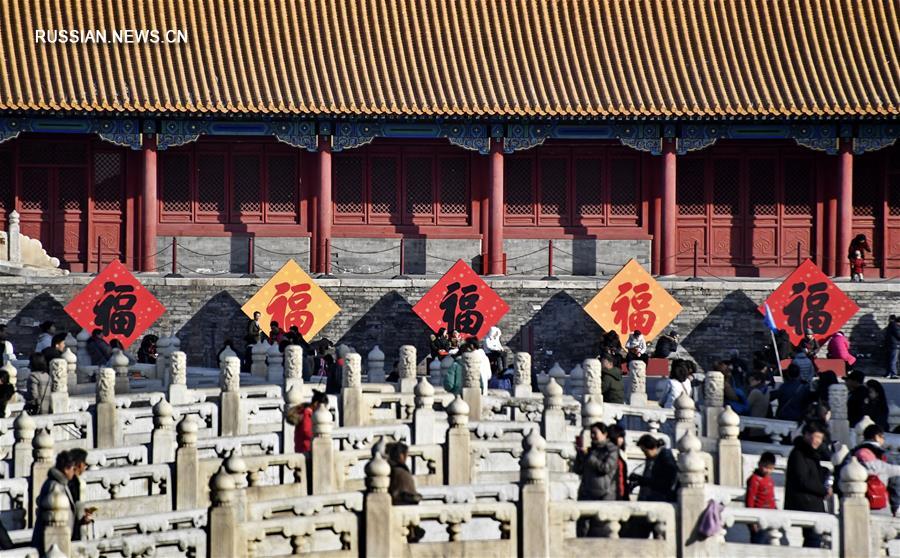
(231, 150)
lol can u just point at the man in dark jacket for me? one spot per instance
(666, 345)
(65, 471)
(611, 382)
(857, 393)
(807, 483)
(793, 395)
(598, 466)
(56, 348)
(892, 345)
(98, 349)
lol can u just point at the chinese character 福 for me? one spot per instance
(114, 312)
(468, 320)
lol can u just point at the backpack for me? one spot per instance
(711, 523)
(876, 493)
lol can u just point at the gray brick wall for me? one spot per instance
(381, 256)
(545, 318)
(573, 257)
(223, 254)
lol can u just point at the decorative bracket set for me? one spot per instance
(474, 136)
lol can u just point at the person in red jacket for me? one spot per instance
(761, 492)
(301, 417)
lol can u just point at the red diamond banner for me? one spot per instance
(461, 301)
(116, 303)
(808, 299)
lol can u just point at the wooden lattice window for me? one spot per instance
(247, 186)
(554, 189)
(798, 187)
(34, 192)
(282, 184)
(214, 181)
(349, 183)
(211, 186)
(726, 186)
(419, 186)
(383, 187)
(108, 181)
(454, 190)
(519, 189)
(623, 187)
(589, 188)
(894, 194)
(71, 190)
(867, 189)
(762, 187)
(53, 153)
(691, 187)
(7, 184)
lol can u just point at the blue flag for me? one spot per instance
(770, 320)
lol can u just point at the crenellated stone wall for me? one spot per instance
(545, 317)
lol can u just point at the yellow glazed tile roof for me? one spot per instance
(534, 58)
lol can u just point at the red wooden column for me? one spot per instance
(829, 233)
(495, 197)
(669, 209)
(149, 211)
(845, 208)
(324, 206)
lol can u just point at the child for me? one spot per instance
(761, 492)
(857, 263)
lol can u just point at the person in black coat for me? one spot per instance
(666, 345)
(856, 396)
(807, 483)
(892, 345)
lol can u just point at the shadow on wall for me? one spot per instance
(560, 331)
(388, 323)
(736, 312)
(23, 329)
(219, 319)
(867, 340)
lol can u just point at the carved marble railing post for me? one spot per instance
(406, 368)
(258, 353)
(226, 537)
(684, 416)
(274, 365)
(575, 383)
(231, 418)
(57, 523)
(854, 516)
(353, 404)
(292, 398)
(59, 386)
(293, 367)
(226, 352)
(42, 461)
(637, 396)
(459, 466)
(15, 238)
(557, 373)
(471, 392)
(375, 365)
(107, 432)
(423, 427)
(592, 381)
(714, 400)
(323, 466)
(24, 427)
(553, 419)
(730, 465)
(839, 424)
(13, 374)
(71, 366)
(534, 499)
(162, 440)
(591, 412)
(692, 497)
(119, 362)
(378, 514)
(187, 465)
(84, 358)
(237, 468)
(163, 352)
(522, 378)
(177, 375)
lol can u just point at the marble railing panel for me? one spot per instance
(334, 533)
(145, 523)
(184, 542)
